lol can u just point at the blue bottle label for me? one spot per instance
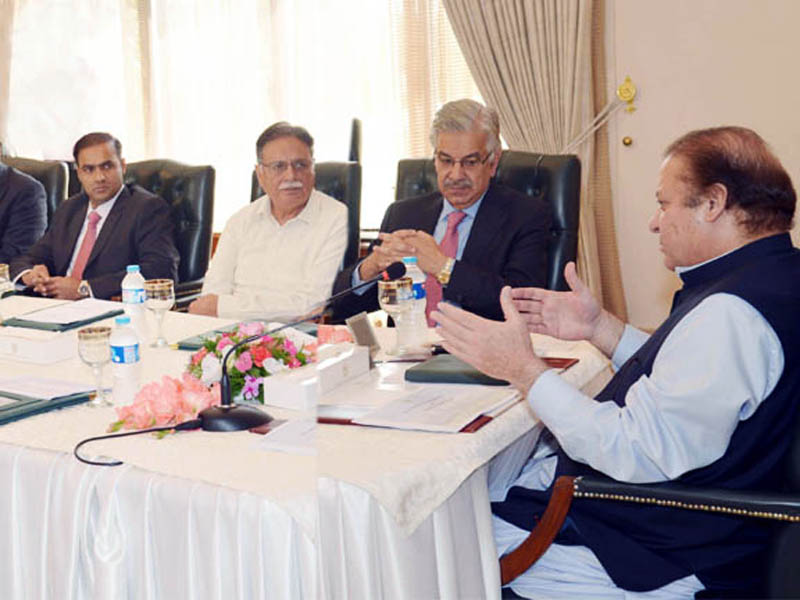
(419, 291)
(133, 296)
(125, 354)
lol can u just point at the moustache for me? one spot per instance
(458, 184)
(290, 185)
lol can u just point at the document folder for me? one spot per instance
(446, 368)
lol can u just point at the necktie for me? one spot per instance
(86, 246)
(449, 245)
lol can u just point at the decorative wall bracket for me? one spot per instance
(627, 92)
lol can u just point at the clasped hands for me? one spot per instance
(39, 278)
(503, 349)
(404, 242)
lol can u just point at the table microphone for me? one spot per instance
(229, 416)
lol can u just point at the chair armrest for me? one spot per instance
(782, 507)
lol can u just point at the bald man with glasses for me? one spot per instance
(278, 256)
(470, 238)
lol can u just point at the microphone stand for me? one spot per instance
(229, 416)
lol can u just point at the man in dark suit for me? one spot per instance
(23, 212)
(97, 233)
(471, 238)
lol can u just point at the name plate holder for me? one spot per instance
(300, 389)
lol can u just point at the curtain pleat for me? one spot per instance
(6, 28)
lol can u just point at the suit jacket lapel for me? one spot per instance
(109, 227)
(429, 215)
(489, 222)
(73, 229)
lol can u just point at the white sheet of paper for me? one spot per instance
(69, 312)
(42, 387)
(297, 436)
(442, 408)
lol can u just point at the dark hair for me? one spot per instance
(93, 139)
(283, 129)
(738, 158)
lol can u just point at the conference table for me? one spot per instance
(373, 513)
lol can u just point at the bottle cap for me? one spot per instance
(123, 320)
(409, 260)
(132, 268)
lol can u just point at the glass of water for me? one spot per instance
(395, 298)
(95, 350)
(5, 280)
(159, 297)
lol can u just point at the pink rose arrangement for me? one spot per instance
(168, 402)
(250, 364)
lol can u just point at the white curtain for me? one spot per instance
(198, 81)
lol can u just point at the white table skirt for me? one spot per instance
(73, 531)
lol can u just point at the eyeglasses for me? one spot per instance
(279, 167)
(468, 163)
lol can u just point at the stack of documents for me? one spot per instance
(24, 396)
(440, 408)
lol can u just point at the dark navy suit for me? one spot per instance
(23, 212)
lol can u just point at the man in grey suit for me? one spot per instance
(95, 234)
(23, 212)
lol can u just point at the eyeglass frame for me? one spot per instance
(279, 167)
(479, 161)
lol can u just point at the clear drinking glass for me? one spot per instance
(159, 296)
(5, 280)
(395, 297)
(95, 350)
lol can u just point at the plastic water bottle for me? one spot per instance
(418, 326)
(133, 300)
(125, 361)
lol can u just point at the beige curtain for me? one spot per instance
(534, 62)
(6, 27)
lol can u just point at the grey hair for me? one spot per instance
(283, 129)
(465, 115)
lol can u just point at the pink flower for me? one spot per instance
(248, 329)
(290, 348)
(244, 362)
(198, 356)
(224, 342)
(294, 363)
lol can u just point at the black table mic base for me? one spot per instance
(232, 417)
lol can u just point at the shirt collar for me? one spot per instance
(105, 208)
(306, 215)
(470, 211)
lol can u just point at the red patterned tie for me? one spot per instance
(449, 245)
(86, 246)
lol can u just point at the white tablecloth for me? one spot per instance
(377, 513)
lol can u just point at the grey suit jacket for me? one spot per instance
(138, 230)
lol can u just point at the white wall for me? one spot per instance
(697, 63)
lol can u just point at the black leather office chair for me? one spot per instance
(781, 577)
(52, 174)
(341, 180)
(189, 190)
(555, 178)
(355, 141)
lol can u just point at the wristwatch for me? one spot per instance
(84, 290)
(443, 276)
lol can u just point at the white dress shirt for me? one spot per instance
(713, 370)
(265, 270)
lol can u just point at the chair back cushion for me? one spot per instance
(555, 178)
(340, 180)
(189, 191)
(52, 174)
